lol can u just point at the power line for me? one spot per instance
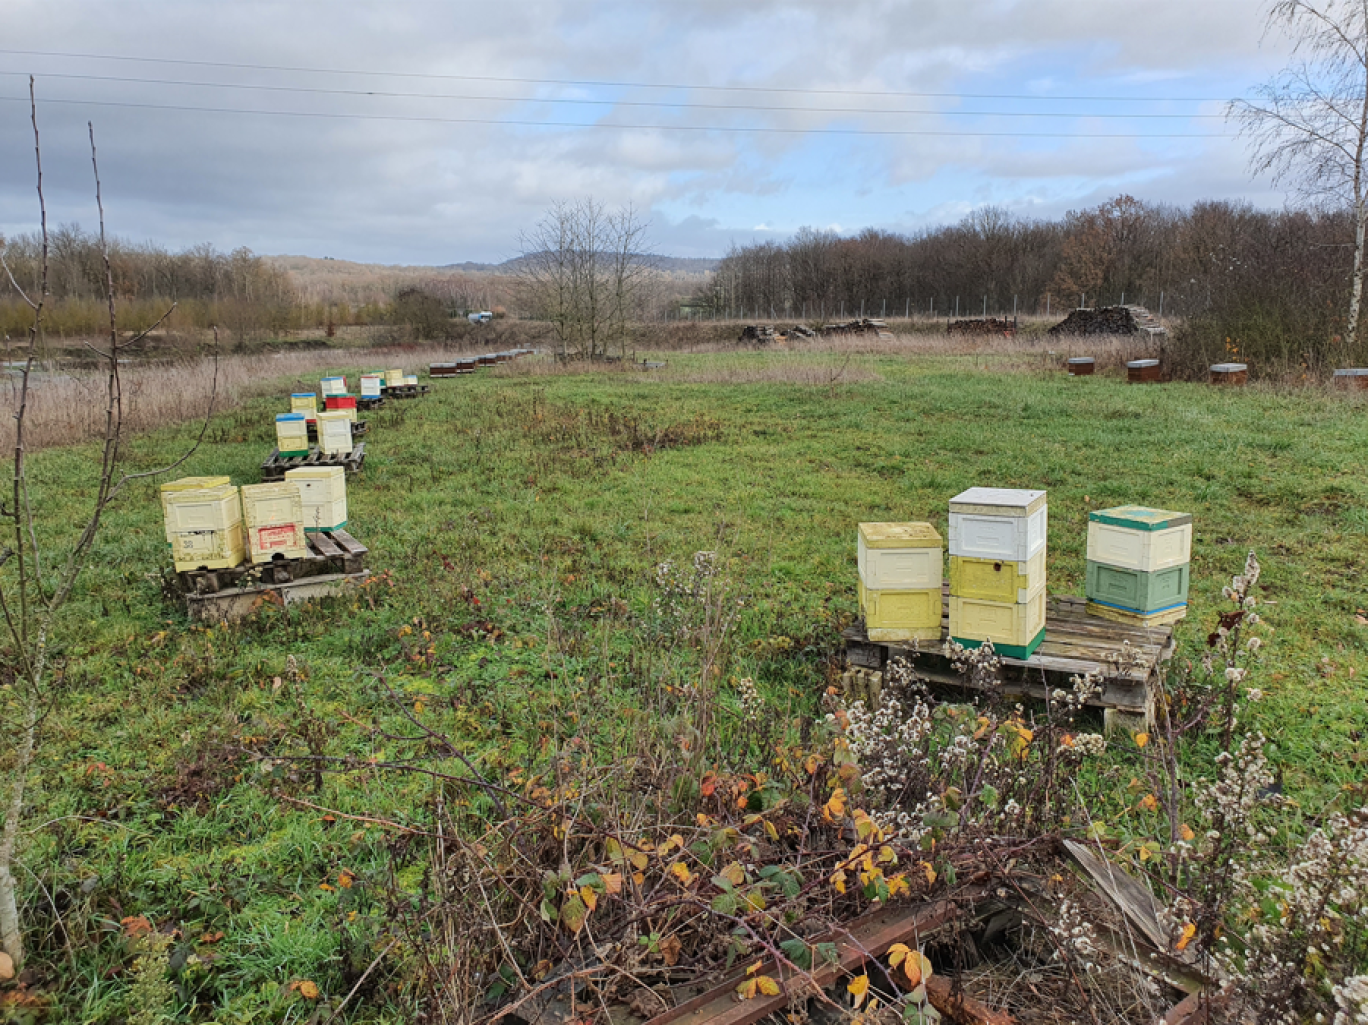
(595, 83)
(597, 103)
(511, 122)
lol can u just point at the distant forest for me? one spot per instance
(1231, 280)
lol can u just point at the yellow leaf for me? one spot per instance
(1141, 739)
(858, 988)
(590, 897)
(419, 708)
(345, 879)
(834, 809)
(1189, 931)
(897, 953)
(754, 968)
(639, 860)
(767, 986)
(1186, 833)
(772, 832)
(308, 989)
(612, 882)
(681, 872)
(638, 877)
(746, 989)
(838, 879)
(734, 874)
(930, 873)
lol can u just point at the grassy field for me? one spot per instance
(515, 523)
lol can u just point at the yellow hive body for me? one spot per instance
(411, 379)
(394, 378)
(334, 431)
(274, 518)
(1145, 551)
(323, 491)
(1004, 623)
(205, 528)
(1165, 618)
(187, 484)
(304, 402)
(292, 435)
(900, 556)
(901, 615)
(997, 579)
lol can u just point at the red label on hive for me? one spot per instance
(275, 537)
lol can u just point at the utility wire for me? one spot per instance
(513, 122)
(593, 83)
(596, 103)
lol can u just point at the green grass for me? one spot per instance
(527, 504)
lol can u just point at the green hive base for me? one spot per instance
(1010, 650)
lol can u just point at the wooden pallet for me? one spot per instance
(1075, 643)
(370, 402)
(331, 552)
(406, 391)
(274, 467)
(238, 602)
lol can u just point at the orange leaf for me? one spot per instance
(746, 989)
(612, 882)
(859, 988)
(6, 967)
(135, 926)
(1186, 833)
(308, 988)
(345, 879)
(834, 809)
(1148, 803)
(767, 986)
(1141, 739)
(681, 872)
(669, 949)
(1189, 931)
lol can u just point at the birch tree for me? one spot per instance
(1308, 125)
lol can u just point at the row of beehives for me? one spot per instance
(333, 423)
(212, 524)
(1147, 371)
(470, 364)
(1137, 571)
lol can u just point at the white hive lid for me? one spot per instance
(999, 501)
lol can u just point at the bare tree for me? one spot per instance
(586, 271)
(33, 587)
(1309, 124)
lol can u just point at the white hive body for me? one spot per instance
(998, 523)
(323, 493)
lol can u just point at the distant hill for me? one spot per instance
(673, 264)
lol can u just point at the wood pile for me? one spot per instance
(862, 326)
(983, 326)
(760, 334)
(1110, 320)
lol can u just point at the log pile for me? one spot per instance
(759, 334)
(862, 326)
(983, 326)
(1110, 320)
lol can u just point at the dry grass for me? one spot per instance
(67, 406)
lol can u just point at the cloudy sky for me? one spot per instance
(435, 131)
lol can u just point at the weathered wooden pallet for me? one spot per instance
(237, 602)
(370, 402)
(331, 552)
(274, 467)
(406, 391)
(1075, 644)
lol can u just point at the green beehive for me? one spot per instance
(1135, 591)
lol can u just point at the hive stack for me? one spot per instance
(304, 402)
(292, 435)
(335, 431)
(186, 484)
(997, 569)
(1138, 568)
(204, 526)
(274, 519)
(901, 567)
(323, 494)
(371, 384)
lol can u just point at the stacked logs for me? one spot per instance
(983, 326)
(1109, 320)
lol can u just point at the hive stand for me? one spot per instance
(274, 467)
(331, 552)
(406, 391)
(1075, 643)
(370, 402)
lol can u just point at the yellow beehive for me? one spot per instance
(901, 615)
(996, 579)
(394, 378)
(900, 556)
(205, 527)
(305, 402)
(274, 519)
(1015, 628)
(323, 491)
(187, 484)
(292, 434)
(411, 379)
(334, 431)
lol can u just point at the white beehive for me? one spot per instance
(205, 528)
(334, 431)
(334, 386)
(187, 484)
(371, 385)
(998, 523)
(1139, 538)
(273, 515)
(411, 379)
(323, 492)
(900, 556)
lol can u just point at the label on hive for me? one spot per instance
(271, 539)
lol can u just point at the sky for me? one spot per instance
(431, 132)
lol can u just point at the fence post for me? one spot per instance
(907, 313)
(1161, 304)
(985, 307)
(956, 307)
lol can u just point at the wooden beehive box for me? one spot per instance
(1139, 538)
(394, 378)
(273, 515)
(334, 431)
(900, 556)
(1229, 373)
(346, 403)
(333, 386)
(998, 523)
(205, 528)
(998, 579)
(292, 434)
(912, 615)
(305, 402)
(1165, 618)
(323, 494)
(1132, 590)
(1015, 628)
(187, 484)
(1142, 371)
(1081, 366)
(371, 385)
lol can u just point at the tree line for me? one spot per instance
(1268, 281)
